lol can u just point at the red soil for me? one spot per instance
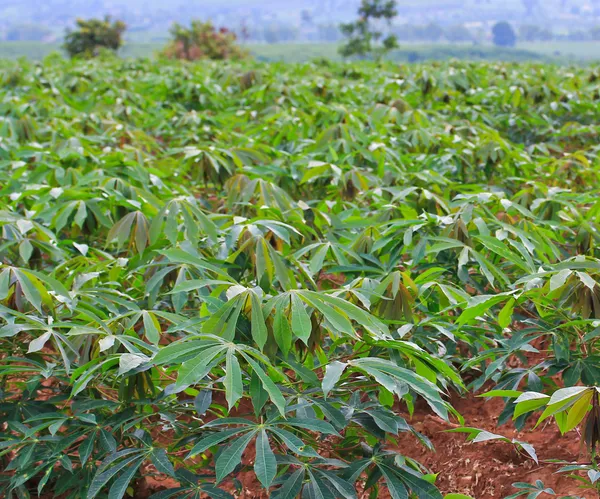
(484, 470)
(488, 469)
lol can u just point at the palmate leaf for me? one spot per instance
(270, 387)
(333, 373)
(214, 439)
(394, 484)
(182, 209)
(198, 367)
(291, 486)
(192, 485)
(30, 287)
(265, 465)
(231, 457)
(133, 228)
(199, 357)
(127, 467)
(393, 377)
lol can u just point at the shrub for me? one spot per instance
(203, 41)
(93, 35)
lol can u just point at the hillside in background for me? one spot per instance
(274, 20)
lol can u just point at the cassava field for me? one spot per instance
(319, 281)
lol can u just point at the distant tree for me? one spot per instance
(328, 32)
(530, 33)
(244, 32)
(274, 33)
(578, 35)
(433, 32)
(271, 34)
(458, 33)
(93, 35)
(306, 17)
(503, 34)
(28, 32)
(202, 41)
(364, 37)
(407, 32)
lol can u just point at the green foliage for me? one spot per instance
(235, 267)
(364, 36)
(503, 34)
(93, 35)
(202, 41)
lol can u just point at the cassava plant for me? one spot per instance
(238, 275)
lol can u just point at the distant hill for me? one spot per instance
(155, 16)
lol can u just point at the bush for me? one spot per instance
(203, 41)
(93, 35)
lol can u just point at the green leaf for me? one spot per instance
(333, 373)
(558, 280)
(502, 393)
(213, 439)
(120, 485)
(529, 401)
(232, 456)
(579, 410)
(505, 315)
(176, 352)
(197, 368)
(269, 386)
(161, 462)
(4, 283)
(478, 306)
(129, 361)
(259, 328)
(151, 327)
(30, 290)
(421, 488)
(316, 489)
(258, 394)
(233, 379)
(203, 401)
(301, 326)
(265, 465)
(282, 330)
(101, 478)
(395, 486)
(86, 447)
(291, 487)
(312, 425)
(559, 396)
(292, 442)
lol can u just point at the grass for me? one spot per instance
(37, 51)
(588, 51)
(303, 52)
